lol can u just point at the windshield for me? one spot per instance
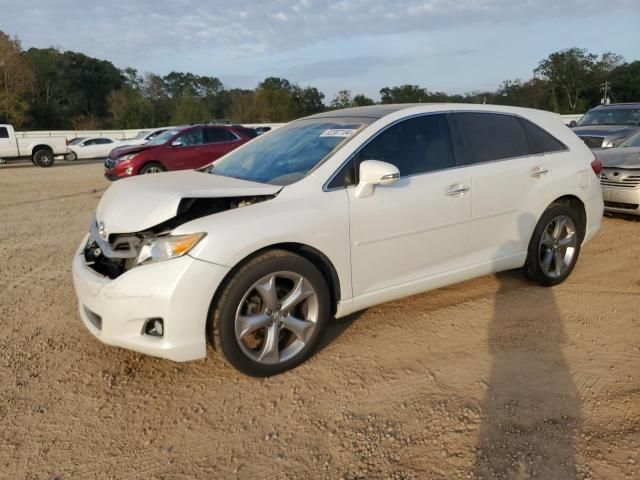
(632, 141)
(163, 138)
(142, 134)
(287, 154)
(611, 116)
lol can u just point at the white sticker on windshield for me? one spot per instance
(338, 132)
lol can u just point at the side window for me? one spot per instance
(88, 143)
(4, 133)
(418, 145)
(191, 138)
(104, 141)
(217, 135)
(491, 136)
(539, 139)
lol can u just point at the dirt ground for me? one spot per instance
(493, 378)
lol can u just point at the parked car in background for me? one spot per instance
(91, 147)
(620, 177)
(41, 150)
(144, 137)
(261, 130)
(179, 148)
(328, 215)
(607, 126)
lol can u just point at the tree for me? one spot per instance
(189, 109)
(569, 73)
(16, 81)
(361, 100)
(404, 94)
(625, 82)
(342, 99)
(241, 105)
(129, 109)
(308, 101)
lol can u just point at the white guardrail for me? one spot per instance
(115, 134)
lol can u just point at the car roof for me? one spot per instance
(373, 111)
(380, 111)
(618, 105)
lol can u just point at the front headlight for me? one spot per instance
(125, 158)
(166, 248)
(613, 143)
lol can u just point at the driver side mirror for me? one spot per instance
(176, 143)
(573, 123)
(374, 172)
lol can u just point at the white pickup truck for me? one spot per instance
(41, 150)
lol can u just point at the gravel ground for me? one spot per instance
(492, 378)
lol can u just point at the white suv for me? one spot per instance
(328, 215)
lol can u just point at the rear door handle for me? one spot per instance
(457, 190)
(539, 172)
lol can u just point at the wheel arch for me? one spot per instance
(39, 147)
(315, 256)
(577, 205)
(148, 162)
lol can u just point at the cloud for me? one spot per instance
(249, 27)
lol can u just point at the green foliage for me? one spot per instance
(189, 109)
(13, 109)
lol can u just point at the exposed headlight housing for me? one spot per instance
(167, 247)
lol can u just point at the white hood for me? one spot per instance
(141, 202)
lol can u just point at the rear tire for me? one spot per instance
(43, 158)
(152, 167)
(554, 247)
(271, 314)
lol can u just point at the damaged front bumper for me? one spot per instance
(178, 291)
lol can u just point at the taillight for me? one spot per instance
(596, 165)
(66, 141)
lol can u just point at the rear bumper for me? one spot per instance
(178, 291)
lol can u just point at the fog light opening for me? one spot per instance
(154, 327)
(129, 171)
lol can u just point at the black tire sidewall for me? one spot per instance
(223, 325)
(533, 267)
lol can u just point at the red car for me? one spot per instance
(179, 148)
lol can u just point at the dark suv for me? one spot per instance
(607, 126)
(179, 148)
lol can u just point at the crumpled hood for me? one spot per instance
(623, 157)
(127, 149)
(139, 203)
(617, 131)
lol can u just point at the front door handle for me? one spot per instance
(457, 190)
(539, 172)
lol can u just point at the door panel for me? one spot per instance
(511, 185)
(409, 230)
(507, 200)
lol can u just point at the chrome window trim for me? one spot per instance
(325, 186)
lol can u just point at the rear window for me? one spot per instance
(491, 136)
(539, 139)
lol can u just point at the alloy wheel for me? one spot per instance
(558, 246)
(277, 317)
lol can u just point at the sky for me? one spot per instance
(359, 45)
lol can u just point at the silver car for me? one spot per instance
(620, 176)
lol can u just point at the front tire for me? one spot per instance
(71, 157)
(43, 158)
(271, 314)
(555, 246)
(152, 167)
